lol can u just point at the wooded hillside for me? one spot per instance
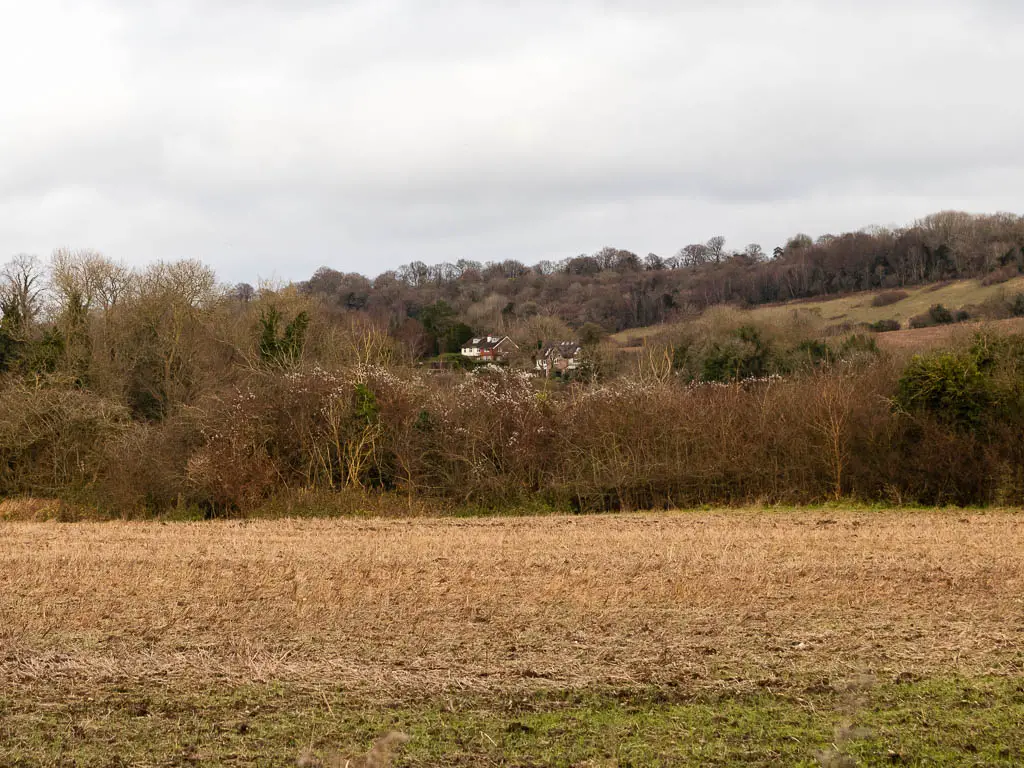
(617, 289)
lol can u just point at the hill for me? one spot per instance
(981, 301)
(433, 308)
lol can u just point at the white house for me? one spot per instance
(489, 348)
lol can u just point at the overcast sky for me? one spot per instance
(269, 137)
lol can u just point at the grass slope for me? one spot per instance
(857, 307)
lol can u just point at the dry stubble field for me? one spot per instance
(710, 638)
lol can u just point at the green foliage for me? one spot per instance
(44, 354)
(746, 353)
(437, 316)
(456, 360)
(10, 349)
(452, 340)
(282, 348)
(815, 351)
(968, 390)
(295, 335)
(11, 342)
(941, 720)
(441, 323)
(31, 357)
(937, 314)
(730, 361)
(858, 344)
(424, 421)
(366, 409)
(884, 326)
(949, 386)
(11, 319)
(1002, 360)
(591, 365)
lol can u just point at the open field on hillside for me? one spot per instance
(857, 308)
(706, 638)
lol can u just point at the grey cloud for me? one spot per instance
(273, 136)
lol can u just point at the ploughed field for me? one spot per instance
(700, 638)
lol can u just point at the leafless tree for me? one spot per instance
(22, 287)
(716, 248)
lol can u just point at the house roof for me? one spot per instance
(485, 343)
(567, 349)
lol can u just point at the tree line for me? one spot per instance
(617, 289)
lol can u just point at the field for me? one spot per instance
(755, 637)
(858, 308)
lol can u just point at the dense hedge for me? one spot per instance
(948, 427)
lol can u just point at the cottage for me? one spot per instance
(492, 348)
(559, 357)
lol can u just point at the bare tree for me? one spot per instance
(754, 251)
(97, 281)
(243, 293)
(693, 255)
(716, 248)
(653, 262)
(21, 290)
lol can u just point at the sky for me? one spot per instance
(270, 137)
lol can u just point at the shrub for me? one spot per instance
(815, 351)
(963, 444)
(936, 315)
(734, 360)
(311, 429)
(284, 347)
(144, 467)
(947, 386)
(744, 353)
(858, 344)
(885, 298)
(456, 360)
(1000, 275)
(940, 315)
(52, 438)
(1017, 306)
(498, 438)
(884, 326)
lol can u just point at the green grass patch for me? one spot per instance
(951, 721)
